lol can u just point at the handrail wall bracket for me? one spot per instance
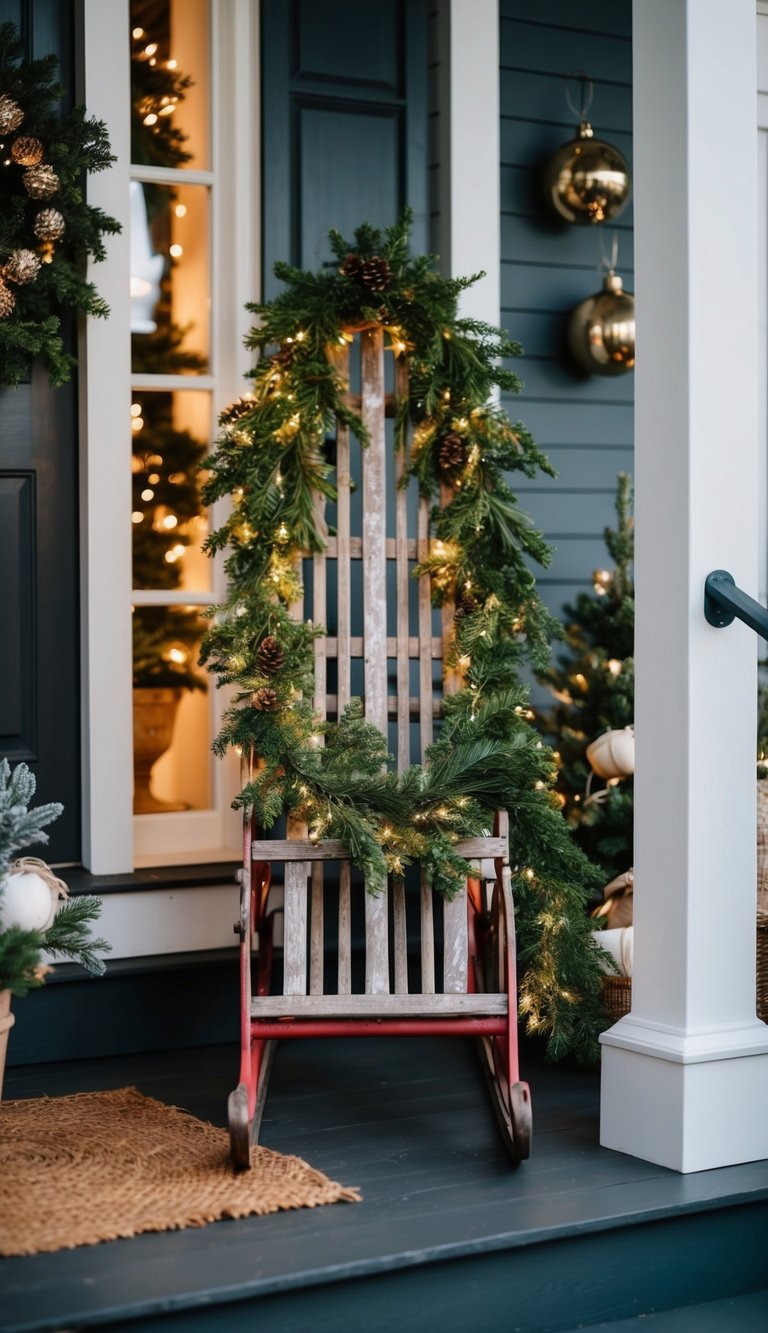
(724, 602)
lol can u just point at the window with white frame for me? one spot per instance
(169, 359)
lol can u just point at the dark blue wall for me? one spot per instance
(584, 424)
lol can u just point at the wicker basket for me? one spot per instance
(617, 996)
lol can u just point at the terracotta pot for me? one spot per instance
(154, 716)
(7, 1020)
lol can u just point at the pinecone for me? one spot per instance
(11, 114)
(7, 300)
(234, 411)
(375, 274)
(285, 357)
(453, 452)
(49, 225)
(40, 182)
(466, 605)
(264, 700)
(26, 151)
(270, 656)
(351, 266)
(22, 266)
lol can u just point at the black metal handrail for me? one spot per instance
(723, 602)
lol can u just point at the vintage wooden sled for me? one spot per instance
(466, 983)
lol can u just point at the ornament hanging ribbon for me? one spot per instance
(32, 865)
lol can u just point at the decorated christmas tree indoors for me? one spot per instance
(593, 684)
(270, 459)
(167, 511)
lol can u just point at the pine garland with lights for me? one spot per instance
(270, 459)
(69, 935)
(47, 230)
(593, 683)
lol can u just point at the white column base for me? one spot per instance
(689, 1102)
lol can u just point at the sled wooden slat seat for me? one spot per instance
(302, 849)
(429, 965)
(377, 1006)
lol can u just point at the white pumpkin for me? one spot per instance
(27, 901)
(612, 755)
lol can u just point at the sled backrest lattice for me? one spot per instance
(381, 564)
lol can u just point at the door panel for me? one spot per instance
(39, 568)
(344, 123)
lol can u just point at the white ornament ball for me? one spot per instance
(27, 901)
(612, 755)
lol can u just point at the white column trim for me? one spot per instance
(105, 491)
(685, 1075)
(469, 230)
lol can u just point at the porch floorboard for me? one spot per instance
(410, 1123)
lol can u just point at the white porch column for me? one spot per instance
(685, 1075)
(469, 151)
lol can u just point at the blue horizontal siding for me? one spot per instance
(585, 423)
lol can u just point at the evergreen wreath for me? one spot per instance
(47, 230)
(270, 459)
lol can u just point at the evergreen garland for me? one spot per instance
(593, 682)
(69, 935)
(47, 230)
(270, 459)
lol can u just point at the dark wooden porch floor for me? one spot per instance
(576, 1235)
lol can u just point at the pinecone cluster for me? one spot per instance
(452, 453)
(270, 656)
(265, 700)
(40, 182)
(22, 266)
(373, 273)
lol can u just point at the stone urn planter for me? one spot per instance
(154, 717)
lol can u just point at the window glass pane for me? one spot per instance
(171, 712)
(170, 279)
(169, 438)
(170, 83)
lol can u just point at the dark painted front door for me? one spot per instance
(39, 638)
(344, 123)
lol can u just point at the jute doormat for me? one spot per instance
(104, 1165)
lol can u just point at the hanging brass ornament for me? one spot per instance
(587, 180)
(601, 331)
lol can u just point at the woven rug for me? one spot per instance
(104, 1165)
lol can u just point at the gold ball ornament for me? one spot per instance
(22, 266)
(40, 182)
(49, 225)
(587, 180)
(11, 114)
(601, 331)
(26, 151)
(7, 300)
